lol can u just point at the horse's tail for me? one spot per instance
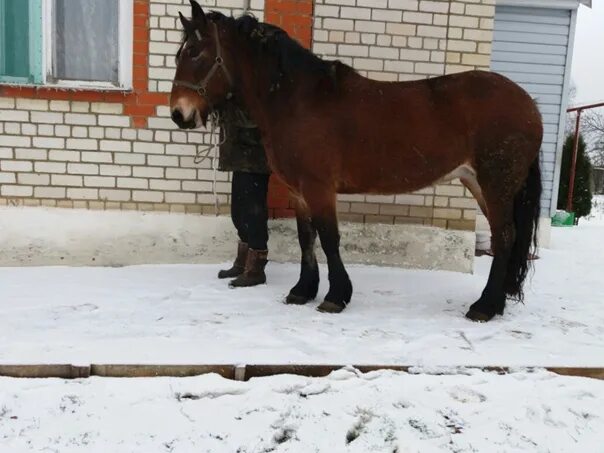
(527, 209)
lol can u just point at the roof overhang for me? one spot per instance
(555, 4)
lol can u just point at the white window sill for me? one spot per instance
(75, 86)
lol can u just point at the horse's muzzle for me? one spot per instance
(180, 120)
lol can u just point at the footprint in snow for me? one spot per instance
(382, 292)
(466, 395)
(179, 294)
(363, 419)
(520, 334)
(76, 308)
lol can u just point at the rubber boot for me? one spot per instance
(254, 270)
(238, 265)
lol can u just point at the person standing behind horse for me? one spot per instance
(242, 153)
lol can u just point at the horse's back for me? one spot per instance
(405, 135)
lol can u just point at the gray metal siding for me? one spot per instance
(530, 46)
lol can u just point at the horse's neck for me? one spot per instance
(268, 102)
(257, 91)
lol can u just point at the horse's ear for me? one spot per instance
(198, 14)
(186, 23)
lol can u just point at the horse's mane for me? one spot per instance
(290, 56)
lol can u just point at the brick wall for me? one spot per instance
(400, 40)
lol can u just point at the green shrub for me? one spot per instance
(582, 193)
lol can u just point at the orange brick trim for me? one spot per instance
(139, 103)
(295, 17)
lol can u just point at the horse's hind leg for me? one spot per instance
(322, 204)
(511, 185)
(492, 299)
(495, 194)
(308, 285)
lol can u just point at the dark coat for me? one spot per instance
(242, 149)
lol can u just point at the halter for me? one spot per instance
(201, 88)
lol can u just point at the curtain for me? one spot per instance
(86, 40)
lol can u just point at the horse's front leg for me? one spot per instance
(308, 285)
(322, 204)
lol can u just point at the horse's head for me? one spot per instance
(202, 77)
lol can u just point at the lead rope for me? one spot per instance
(213, 148)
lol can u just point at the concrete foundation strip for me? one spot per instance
(246, 372)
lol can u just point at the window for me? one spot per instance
(66, 43)
(20, 54)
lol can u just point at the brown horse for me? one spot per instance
(328, 130)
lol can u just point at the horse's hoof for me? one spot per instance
(478, 316)
(330, 307)
(294, 299)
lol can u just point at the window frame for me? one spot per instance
(41, 52)
(35, 50)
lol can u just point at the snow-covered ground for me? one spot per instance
(597, 211)
(182, 314)
(345, 412)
